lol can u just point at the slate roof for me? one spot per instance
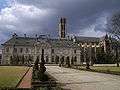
(20, 41)
(87, 39)
(63, 43)
(28, 41)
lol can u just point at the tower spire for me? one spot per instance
(62, 28)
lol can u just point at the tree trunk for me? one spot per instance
(117, 61)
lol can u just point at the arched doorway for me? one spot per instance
(61, 61)
(47, 59)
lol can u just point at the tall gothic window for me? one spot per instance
(52, 50)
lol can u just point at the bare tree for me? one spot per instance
(114, 25)
(113, 28)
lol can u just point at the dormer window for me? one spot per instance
(27, 42)
(7, 49)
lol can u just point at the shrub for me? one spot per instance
(105, 58)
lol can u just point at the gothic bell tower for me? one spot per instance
(62, 28)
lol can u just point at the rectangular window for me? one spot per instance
(52, 50)
(15, 50)
(74, 51)
(0, 56)
(21, 50)
(27, 50)
(52, 59)
(47, 59)
(75, 59)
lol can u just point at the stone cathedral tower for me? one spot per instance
(62, 28)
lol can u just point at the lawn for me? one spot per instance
(11, 75)
(111, 69)
(102, 69)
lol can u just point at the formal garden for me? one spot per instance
(27, 77)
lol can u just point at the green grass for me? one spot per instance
(107, 69)
(11, 75)
(101, 69)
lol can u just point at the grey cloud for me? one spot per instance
(80, 14)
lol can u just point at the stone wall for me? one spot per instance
(50, 53)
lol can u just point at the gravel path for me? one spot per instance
(26, 81)
(72, 79)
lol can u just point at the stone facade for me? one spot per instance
(52, 50)
(77, 49)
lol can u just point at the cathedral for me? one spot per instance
(25, 50)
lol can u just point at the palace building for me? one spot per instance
(25, 50)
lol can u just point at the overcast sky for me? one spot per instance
(84, 17)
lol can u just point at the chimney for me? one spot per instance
(25, 35)
(14, 35)
(36, 36)
(74, 38)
